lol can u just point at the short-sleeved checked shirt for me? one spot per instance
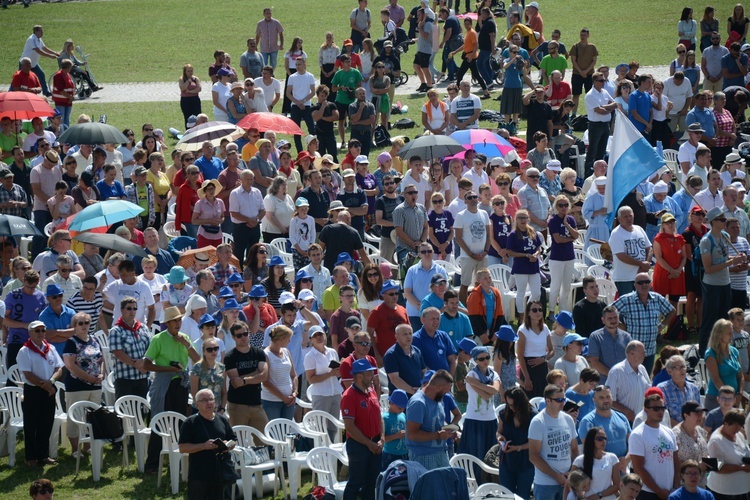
(674, 398)
(125, 341)
(536, 202)
(643, 320)
(221, 275)
(16, 193)
(724, 122)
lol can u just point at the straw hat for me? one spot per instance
(202, 189)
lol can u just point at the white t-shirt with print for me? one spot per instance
(475, 229)
(556, 436)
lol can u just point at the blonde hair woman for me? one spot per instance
(209, 373)
(562, 228)
(722, 363)
(278, 392)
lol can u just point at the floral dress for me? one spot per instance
(692, 449)
(88, 357)
(210, 378)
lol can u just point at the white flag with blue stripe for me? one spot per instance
(631, 160)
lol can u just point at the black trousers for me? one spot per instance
(598, 135)
(126, 387)
(10, 356)
(38, 417)
(364, 468)
(175, 400)
(365, 137)
(715, 302)
(475, 74)
(190, 106)
(327, 143)
(244, 238)
(205, 490)
(298, 116)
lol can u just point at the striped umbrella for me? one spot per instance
(214, 132)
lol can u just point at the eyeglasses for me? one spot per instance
(364, 344)
(391, 294)
(656, 408)
(373, 275)
(536, 309)
(84, 323)
(726, 398)
(135, 308)
(557, 400)
(643, 282)
(241, 334)
(44, 491)
(211, 349)
(483, 358)
(601, 438)
(425, 251)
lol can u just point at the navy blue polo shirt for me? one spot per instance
(409, 368)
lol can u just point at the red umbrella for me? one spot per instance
(24, 106)
(270, 122)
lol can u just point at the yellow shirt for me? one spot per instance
(160, 184)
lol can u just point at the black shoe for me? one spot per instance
(427, 87)
(422, 88)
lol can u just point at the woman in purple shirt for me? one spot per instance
(562, 228)
(525, 245)
(501, 227)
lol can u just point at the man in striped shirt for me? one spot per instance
(88, 300)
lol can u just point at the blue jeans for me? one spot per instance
(483, 65)
(450, 63)
(190, 230)
(548, 492)
(364, 468)
(39, 72)
(517, 481)
(65, 114)
(624, 287)
(269, 58)
(277, 409)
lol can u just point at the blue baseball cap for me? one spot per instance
(225, 292)
(234, 278)
(361, 366)
(427, 376)
(276, 260)
(258, 291)
(53, 290)
(205, 320)
(574, 337)
(388, 286)
(565, 320)
(506, 333)
(344, 257)
(399, 398)
(466, 345)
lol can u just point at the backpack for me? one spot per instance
(580, 123)
(405, 123)
(381, 136)
(697, 264)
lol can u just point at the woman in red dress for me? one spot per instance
(671, 256)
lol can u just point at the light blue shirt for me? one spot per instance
(706, 119)
(418, 281)
(457, 327)
(430, 415)
(535, 202)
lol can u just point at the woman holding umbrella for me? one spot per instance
(187, 197)
(208, 214)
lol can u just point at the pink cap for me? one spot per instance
(525, 163)
(385, 270)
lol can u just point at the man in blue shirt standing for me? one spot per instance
(614, 423)
(702, 114)
(425, 418)
(209, 165)
(734, 66)
(438, 350)
(56, 317)
(640, 106)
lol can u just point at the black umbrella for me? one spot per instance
(92, 133)
(11, 225)
(111, 242)
(428, 147)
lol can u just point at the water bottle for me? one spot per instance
(660, 149)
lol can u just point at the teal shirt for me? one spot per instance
(393, 423)
(728, 370)
(457, 327)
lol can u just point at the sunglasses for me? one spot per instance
(211, 349)
(235, 285)
(364, 344)
(409, 193)
(241, 334)
(84, 323)
(190, 158)
(643, 282)
(55, 296)
(438, 202)
(425, 251)
(262, 252)
(391, 294)
(127, 308)
(64, 270)
(536, 309)
(389, 183)
(148, 130)
(373, 275)
(600, 80)
(601, 438)
(532, 176)
(40, 330)
(472, 197)
(563, 205)
(503, 183)
(44, 491)
(483, 358)
(498, 203)
(557, 400)
(721, 219)
(656, 408)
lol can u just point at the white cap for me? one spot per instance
(554, 165)
(498, 160)
(661, 187)
(309, 139)
(286, 298)
(306, 294)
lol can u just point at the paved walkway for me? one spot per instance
(169, 92)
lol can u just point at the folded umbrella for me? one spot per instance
(111, 242)
(92, 133)
(10, 225)
(104, 213)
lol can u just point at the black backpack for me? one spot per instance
(580, 123)
(381, 136)
(405, 123)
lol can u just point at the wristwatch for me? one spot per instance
(599, 494)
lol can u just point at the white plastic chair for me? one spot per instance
(467, 462)
(133, 410)
(493, 489)
(534, 402)
(581, 261)
(77, 413)
(702, 374)
(59, 425)
(670, 158)
(279, 245)
(227, 238)
(14, 375)
(278, 429)
(48, 230)
(102, 338)
(501, 276)
(167, 425)
(246, 437)
(10, 404)
(317, 421)
(581, 240)
(607, 290)
(108, 389)
(595, 254)
(373, 240)
(499, 408)
(599, 272)
(170, 230)
(323, 462)
(371, 249)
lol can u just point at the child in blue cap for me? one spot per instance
(394, 429)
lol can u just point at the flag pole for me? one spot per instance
(677, 178)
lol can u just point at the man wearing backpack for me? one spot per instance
(717, 292)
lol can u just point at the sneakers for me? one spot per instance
(422, 88)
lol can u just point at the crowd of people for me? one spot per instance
(577, 399)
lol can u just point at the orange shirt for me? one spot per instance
(471, 43)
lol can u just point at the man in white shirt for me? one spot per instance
(465, 108)
(711, 196)
(38, 133)
(686, 153)
(628, 381)
(129, 286)
(247, 210)
(730, 196)
(472, 235)
(300, 88)
(34, 48)
(415, 177)
(477, 174)
(679, 91)
(631, 249)
(702, 163)
(600, 106)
